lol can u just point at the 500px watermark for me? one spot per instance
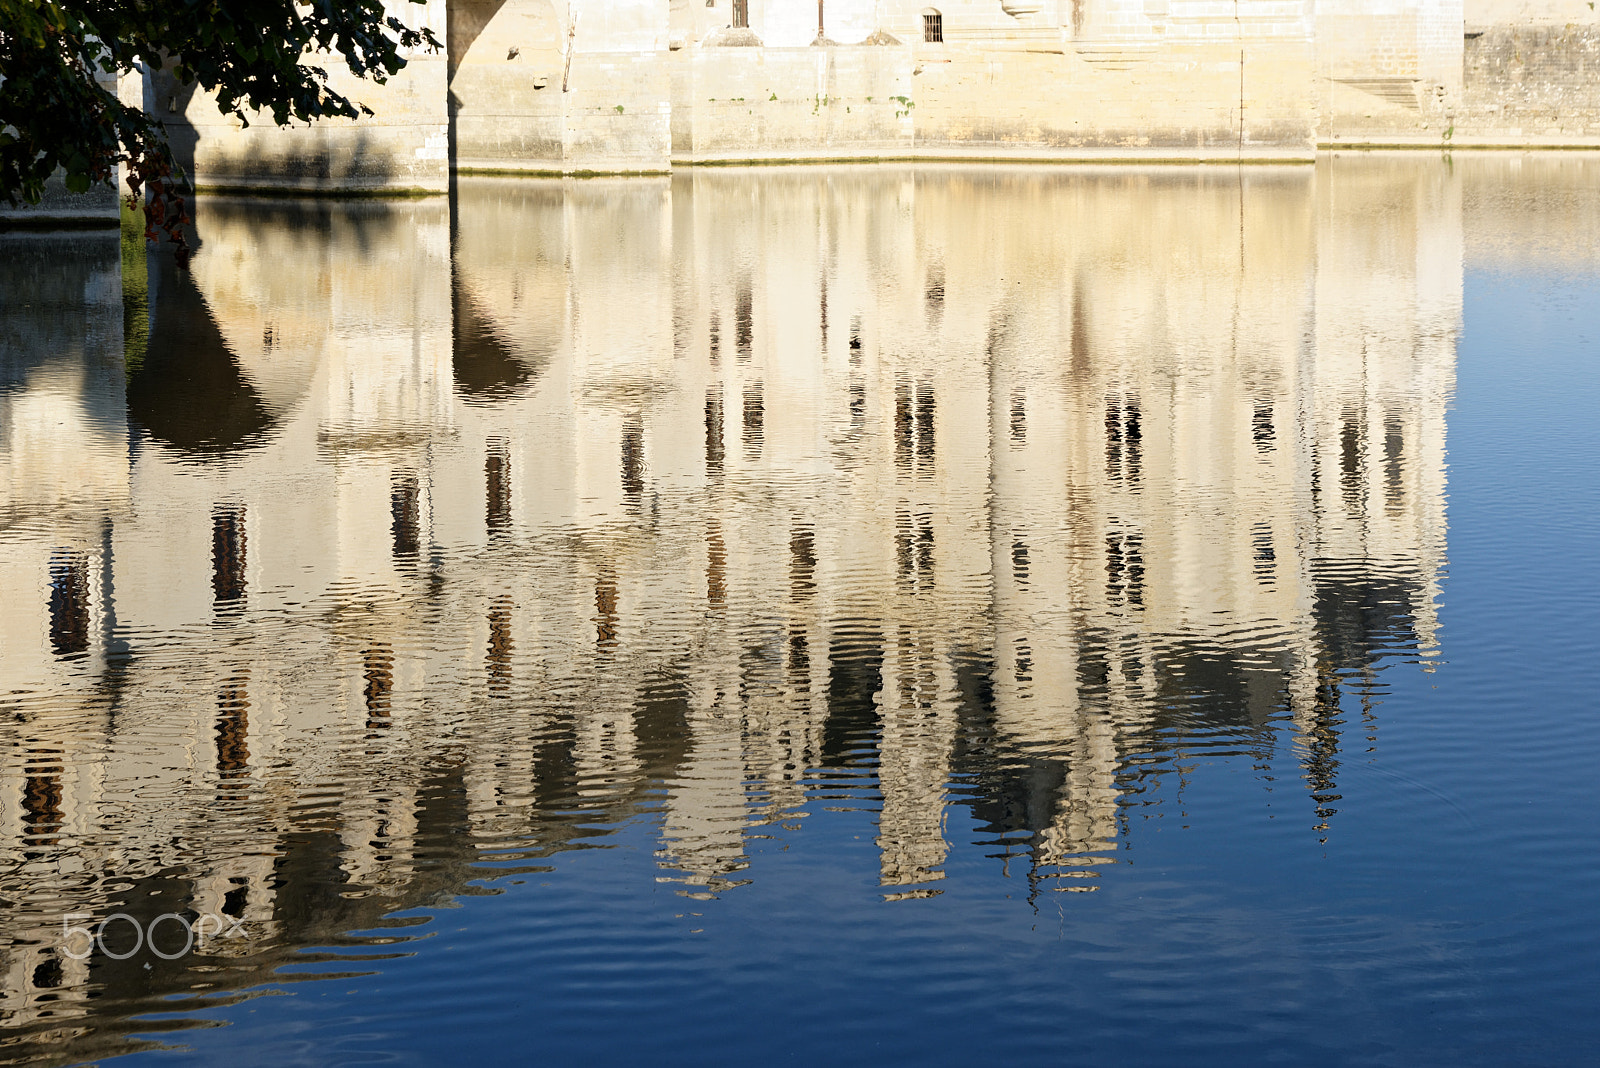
(79, 942)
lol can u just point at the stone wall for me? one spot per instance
(537, 86)
(403, 146)
(754, 103)
(58, 208)
(1180, 100)
(1388, 71)
(579, 86)
(1530, 84)
(95, 209)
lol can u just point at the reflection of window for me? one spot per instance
(633, 459)
(405, 514)
(1394, 444)
(714, 451)
(228, 554)
(1261, 429)
(741, 14)
(1265, 556)
(1125, 568)
(69, 604)
(1352, 465)
(914, 411)
(755, 414)
(1124, 439)
(497, 473)
(932, 27)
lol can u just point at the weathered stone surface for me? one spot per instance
(580, 86)
(1532, 84)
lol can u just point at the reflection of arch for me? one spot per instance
(487, 368)
(188, 392)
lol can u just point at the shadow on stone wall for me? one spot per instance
(213, 152)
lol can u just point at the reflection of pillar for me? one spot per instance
(1083, 827)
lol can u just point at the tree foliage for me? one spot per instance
(59, 60)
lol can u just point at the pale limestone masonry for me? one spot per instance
(637, 86)
(59, 208)
(1532, 83)
(1517, 73)
(403, 145)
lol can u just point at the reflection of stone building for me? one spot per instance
(716, 499)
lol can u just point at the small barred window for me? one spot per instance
(933, 27)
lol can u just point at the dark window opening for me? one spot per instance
(1352, 435)
(933, 28)
(48, 974)
(235, 901)
(41, 807)
(802, 563)
(925, 413)
(743, 321)
(741, 14)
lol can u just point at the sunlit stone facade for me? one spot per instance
(578, 86)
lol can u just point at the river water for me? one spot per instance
(841, 615)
